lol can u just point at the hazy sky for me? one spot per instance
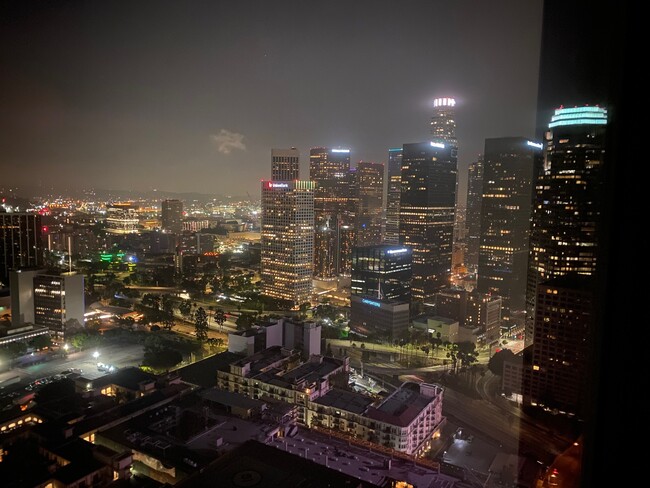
(192, 95)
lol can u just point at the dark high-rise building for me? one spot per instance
(20, 243)
(287, 244)
(381, 282)
(334, 208)
(427, 211)
(473, 212)
(48, 300)
(566, 211)
(505, 219)
(370, 194)
(172, 216)
(285, 164)
(382, 272)
(391, 234)
(443, 121)
(562, 338)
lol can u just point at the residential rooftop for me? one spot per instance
(345, 400)
(403, 405)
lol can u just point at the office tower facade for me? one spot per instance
(473, 213)
(122, 218)
(472, 310)
(20, 243)
(287, 243)
(443, 121)
(505, 219)
(47, 300)
(393, 195)
(427, 213)
(172, 216)
(334, 208)
(285, 164)
(382, 272)
(370, 194)
(381, 290)
(561, 342)
(564, 231)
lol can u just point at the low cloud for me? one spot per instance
(227, 141)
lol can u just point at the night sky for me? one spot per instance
(192, 95)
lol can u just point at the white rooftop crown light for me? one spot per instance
(341, 150)
(444, 102)
(438, 144)
(536, 145)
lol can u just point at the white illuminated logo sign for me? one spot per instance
(535, 144)
(341, 150)
(370, 302)
(396, 251)
(438, 144)
(278, 185)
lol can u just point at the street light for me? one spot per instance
(96, 354)
(66, 347)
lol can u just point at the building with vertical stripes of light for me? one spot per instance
(393, 195)
(370, 194)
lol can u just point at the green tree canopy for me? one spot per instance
(495, 365)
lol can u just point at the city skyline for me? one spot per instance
(149, 108)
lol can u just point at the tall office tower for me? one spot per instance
(370, 193)
(288, 240)
(443, 121)
(46, 299)
(426, 214)
(381, 289)
(333, 210)
(473, 212)
(285, 164)
(505, 219)
(382, 272)
(568, 185)
(20, 243)
(172, 216)
(391, 234)
(561, 342)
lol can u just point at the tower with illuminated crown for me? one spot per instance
(287, 232)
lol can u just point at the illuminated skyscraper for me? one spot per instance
(391, 234)
(443, 121)
(564, 232)
(370, 192)
(505, 219)
(287, 240)
(172, 216)
(427, 211)
(334, 209)
(473, 213)
(287, 231)
(285, 164)
(20, 243)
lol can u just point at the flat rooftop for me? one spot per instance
(204, 373)
(231, 399)
(402, 406)
(345, 400)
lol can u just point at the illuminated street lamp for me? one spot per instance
(96, 354)
(66, 347)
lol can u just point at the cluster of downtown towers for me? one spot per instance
(532, 213)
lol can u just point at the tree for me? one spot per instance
(185, 307)
(467, 354)
(219, 317)
(201, 324)
(162, 358)
(151, 300)
(40, 342)
(245, 321)
(495, 365)
(167, 321)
